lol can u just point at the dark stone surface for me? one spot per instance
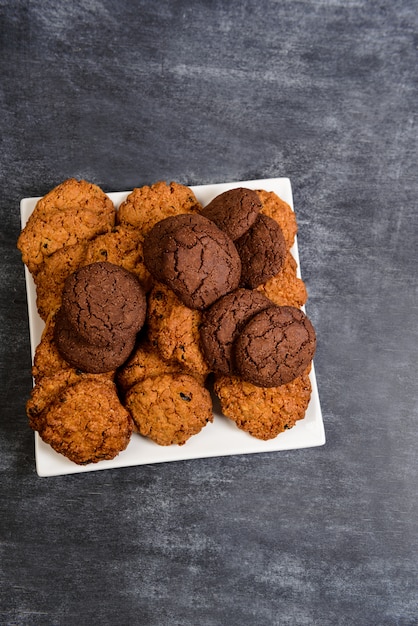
(326, 93)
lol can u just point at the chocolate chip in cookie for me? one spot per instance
(275, 346)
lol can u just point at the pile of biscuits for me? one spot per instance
(151, 307)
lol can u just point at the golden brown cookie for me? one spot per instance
(122, 246)
(169, 409)
(48, 388)
(52, 274)
(286, 288)
(146, 362)
(279, 210)
(145, 206)
(174, 329)
(47, 360)
(263, 412)
(86, 422)
(71, 212)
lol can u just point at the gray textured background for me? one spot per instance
(326, 93)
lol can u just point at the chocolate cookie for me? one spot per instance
(234, 211)
(262, 250)
(88, 357)
(222, 323)
(275, 347)
(104, 303)
(193, 257)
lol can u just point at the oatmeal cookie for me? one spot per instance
(234, 211)
(173, 329)
(52, 274)
(86, 422)
(169, 409)
(47, 360)
(196, 259)
(286, 288)
(72, 212)
(275, 346)
(275, 207)
(122, 246)
(263, 412)
(147, 205)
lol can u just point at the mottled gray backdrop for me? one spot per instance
(326, 93)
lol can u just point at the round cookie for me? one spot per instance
(262, 250)
(71, 212)
(275, 346)
(169, 409)
(104, 303)
(86, 422)
(234, 211)
(147, 205)
(264, 412)
(191, 255)
(223, 322)
(85, 356)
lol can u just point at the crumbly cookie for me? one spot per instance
(147, 205)
(71, 212)
(262, 250)
(85, 356)
(122, 246)
(286, 288)
(263, 412)
(52, 274)
(86, 422)
(174, 329)
(47, 360)
(279, 210)
(234, 211)
(191, 255)
(275, 346)
(145, 362)
(104, 303)
(223, 322)
(169, 409)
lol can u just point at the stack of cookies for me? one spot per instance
(150, 306)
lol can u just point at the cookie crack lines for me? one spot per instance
(185, 292)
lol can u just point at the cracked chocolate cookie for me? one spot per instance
(193, 257)
(275, 346)
(234, 211)
(86, 356)
(223, 322)
(104, 303)
(262, 250)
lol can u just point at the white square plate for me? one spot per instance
(220, 438)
